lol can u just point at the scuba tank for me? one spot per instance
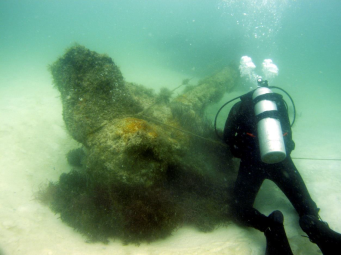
(270, 135)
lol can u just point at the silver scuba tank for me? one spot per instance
(270, 136)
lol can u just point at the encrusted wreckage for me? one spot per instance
(144, 168)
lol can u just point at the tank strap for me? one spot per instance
(267, 114)
(268, 96)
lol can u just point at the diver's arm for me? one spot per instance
(231, 124)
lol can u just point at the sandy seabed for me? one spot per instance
(33, 144)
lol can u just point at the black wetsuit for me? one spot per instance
(240, 134)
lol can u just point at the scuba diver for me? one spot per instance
(258, 131)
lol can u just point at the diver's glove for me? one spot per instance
(319, 232)
(276, 239)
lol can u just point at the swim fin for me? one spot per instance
(319, 232)
(276, 239)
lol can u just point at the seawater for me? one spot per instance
(158, 43)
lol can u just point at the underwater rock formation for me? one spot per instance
(149, 163)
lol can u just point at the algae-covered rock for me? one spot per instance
(148, 163)
(209, 90)
(92, 91)
(134, 151)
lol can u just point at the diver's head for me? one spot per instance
(261, 82)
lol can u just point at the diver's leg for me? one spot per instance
(319, 232)
(247, 185)
(276, 239)
(250, 177)
(289, 180)
(291, 183)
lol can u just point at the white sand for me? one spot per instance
(33, 144)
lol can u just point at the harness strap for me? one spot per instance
(252, 135)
